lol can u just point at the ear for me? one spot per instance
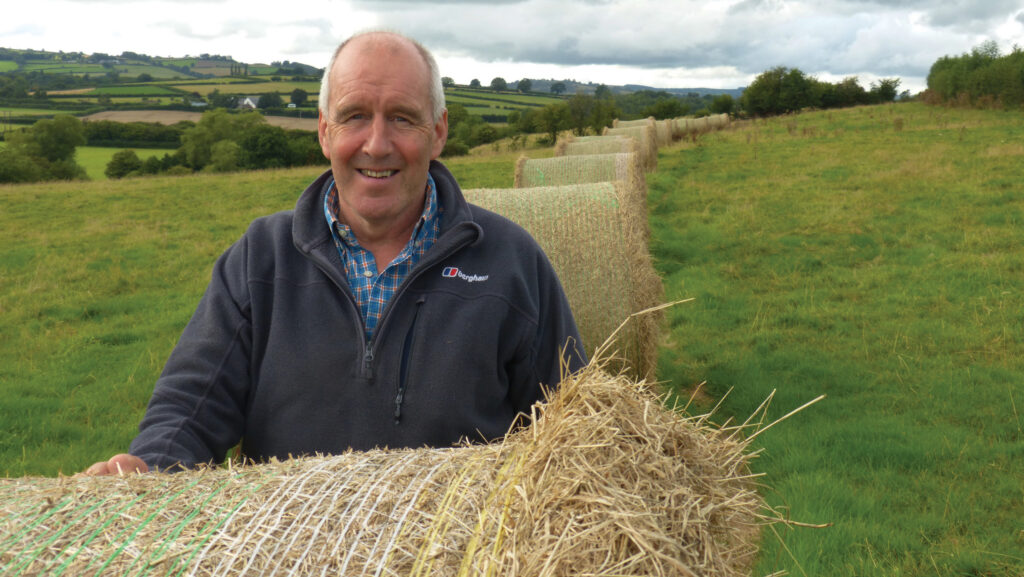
(321, 131)
(440, 135)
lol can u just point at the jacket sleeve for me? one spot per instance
(196, 412)
(557, 347)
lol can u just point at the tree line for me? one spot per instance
(219, 142)
(782, 90)
(982, 77)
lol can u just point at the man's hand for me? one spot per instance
(122, 464)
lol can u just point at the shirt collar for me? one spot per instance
(344, 232)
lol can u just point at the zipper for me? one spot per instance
(403, 371)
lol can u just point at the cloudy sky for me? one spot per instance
(663, 43)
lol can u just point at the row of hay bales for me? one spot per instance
(606, 481)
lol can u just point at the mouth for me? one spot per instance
(377, 174)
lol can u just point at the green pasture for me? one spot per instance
(8, 65)
(51, 67)
(507, 98)
(872, 255)
(24, 111)
(284, 88)
(95, 158)
(133, 90)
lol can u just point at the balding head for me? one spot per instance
(383, 38)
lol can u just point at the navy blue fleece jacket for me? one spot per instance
(275, 358)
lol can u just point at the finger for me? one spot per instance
(97, 469)
(124, 464)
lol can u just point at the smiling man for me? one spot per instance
(384, 311)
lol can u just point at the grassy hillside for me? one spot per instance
(872, 255)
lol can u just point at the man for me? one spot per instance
(384, 311)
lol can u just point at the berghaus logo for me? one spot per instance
(454, 272)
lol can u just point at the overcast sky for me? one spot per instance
(665, 44)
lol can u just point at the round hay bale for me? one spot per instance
(663, 132)
(580, 169)
(606, 481)
(571, 145)
(647, 143)
(595, 235)
(649, 121)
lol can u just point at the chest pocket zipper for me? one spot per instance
(403, 373)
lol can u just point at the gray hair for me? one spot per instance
(437, 103)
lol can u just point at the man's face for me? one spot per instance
(379, 132)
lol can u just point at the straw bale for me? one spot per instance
(646, 139)
(580, 169)
(606, 481)
(663, 132)
(649, 121)
(578, 145)
(595, 236)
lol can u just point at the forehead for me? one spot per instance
(383, 66)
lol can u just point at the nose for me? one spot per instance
(378, 141)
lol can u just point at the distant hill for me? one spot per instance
(574, 87)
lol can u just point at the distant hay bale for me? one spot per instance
(579, 145)
(647, 142)
(649, 121)
(595, 235)
(606, 482)
(663, 132)
(580, 169)
(683, 127)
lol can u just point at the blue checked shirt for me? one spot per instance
(373, 289)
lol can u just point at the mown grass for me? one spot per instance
(872, 255)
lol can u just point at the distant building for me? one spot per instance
(248, 102)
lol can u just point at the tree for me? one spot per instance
(53, 140)
(299, 97)
(474, 83)
(558, 88)
(498, 83)
(524, 85)
(264, 146)
(145, 77)
(886, 89)
(666, 108)
(447, 82)
(218, 100)
(123, 163)
(723, 104)
(581, 107)
(777, 91)
(271, 100)
(602, 92)
(554, 118)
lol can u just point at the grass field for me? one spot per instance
(872, 255)
(284, 88)
(133, 90)
(8, 65)
(25, 111)
(95, 158)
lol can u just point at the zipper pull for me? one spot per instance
(368, 362)
(398, 405)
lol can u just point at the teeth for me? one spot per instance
(378, 173)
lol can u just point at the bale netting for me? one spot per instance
(607, 481)
(647, 143)
(580, 169)
(595, 236)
